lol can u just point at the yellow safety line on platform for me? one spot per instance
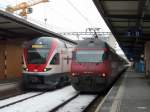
(117, 100)
(100, 105)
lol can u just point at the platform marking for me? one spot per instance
(142, 108)
(115, 105)
(7, 83)
(117, 100)
(100, 105)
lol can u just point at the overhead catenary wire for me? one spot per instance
(79, 12)
(67, 19)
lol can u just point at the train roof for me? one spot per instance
(91, 43)
(46, 41)
(40, 41)
(94, 43)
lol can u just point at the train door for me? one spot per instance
(64, 57)
(2, 61)
(64, 60)
(112, 63)
(56, 62)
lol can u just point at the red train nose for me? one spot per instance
(36, 68)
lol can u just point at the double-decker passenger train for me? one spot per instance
(46, 63)
(95, 65)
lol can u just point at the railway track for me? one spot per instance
(17, 99)
(41, 102)
(79, 103)
(63, 100)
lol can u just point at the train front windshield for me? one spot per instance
(89, 56)
(37, 56)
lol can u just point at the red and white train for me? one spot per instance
(95, 66)
(46, 63)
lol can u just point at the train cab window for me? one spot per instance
(93, 56)
(62, 45)
(55, 60)
(37, 56)
(105, 56)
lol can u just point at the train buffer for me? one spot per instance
(131, 93)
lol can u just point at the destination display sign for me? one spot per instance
(39, 46)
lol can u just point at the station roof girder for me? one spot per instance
(123, 16)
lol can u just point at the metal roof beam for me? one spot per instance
(8, 31)
(16, 28)
(119, 16)
(130, 41)
(4, 22)
(133, 39)
(120, 0)
(123, 34)
(141, 9)
(130, 44)
(125, 27)
(125, 20)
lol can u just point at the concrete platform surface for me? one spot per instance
(11, 80)
(131, 93)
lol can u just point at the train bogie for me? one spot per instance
(45, 81)
(89, 83)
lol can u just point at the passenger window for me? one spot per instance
(73, 55)
(55, 60)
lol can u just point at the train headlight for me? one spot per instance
(73, 74)
(103, 75)
(45, 70)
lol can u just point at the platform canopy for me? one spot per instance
(12, 26)
(129, 21)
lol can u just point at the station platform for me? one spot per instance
(131, 93)
(11, 80)
(10, 87)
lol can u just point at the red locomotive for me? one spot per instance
(95, 66)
